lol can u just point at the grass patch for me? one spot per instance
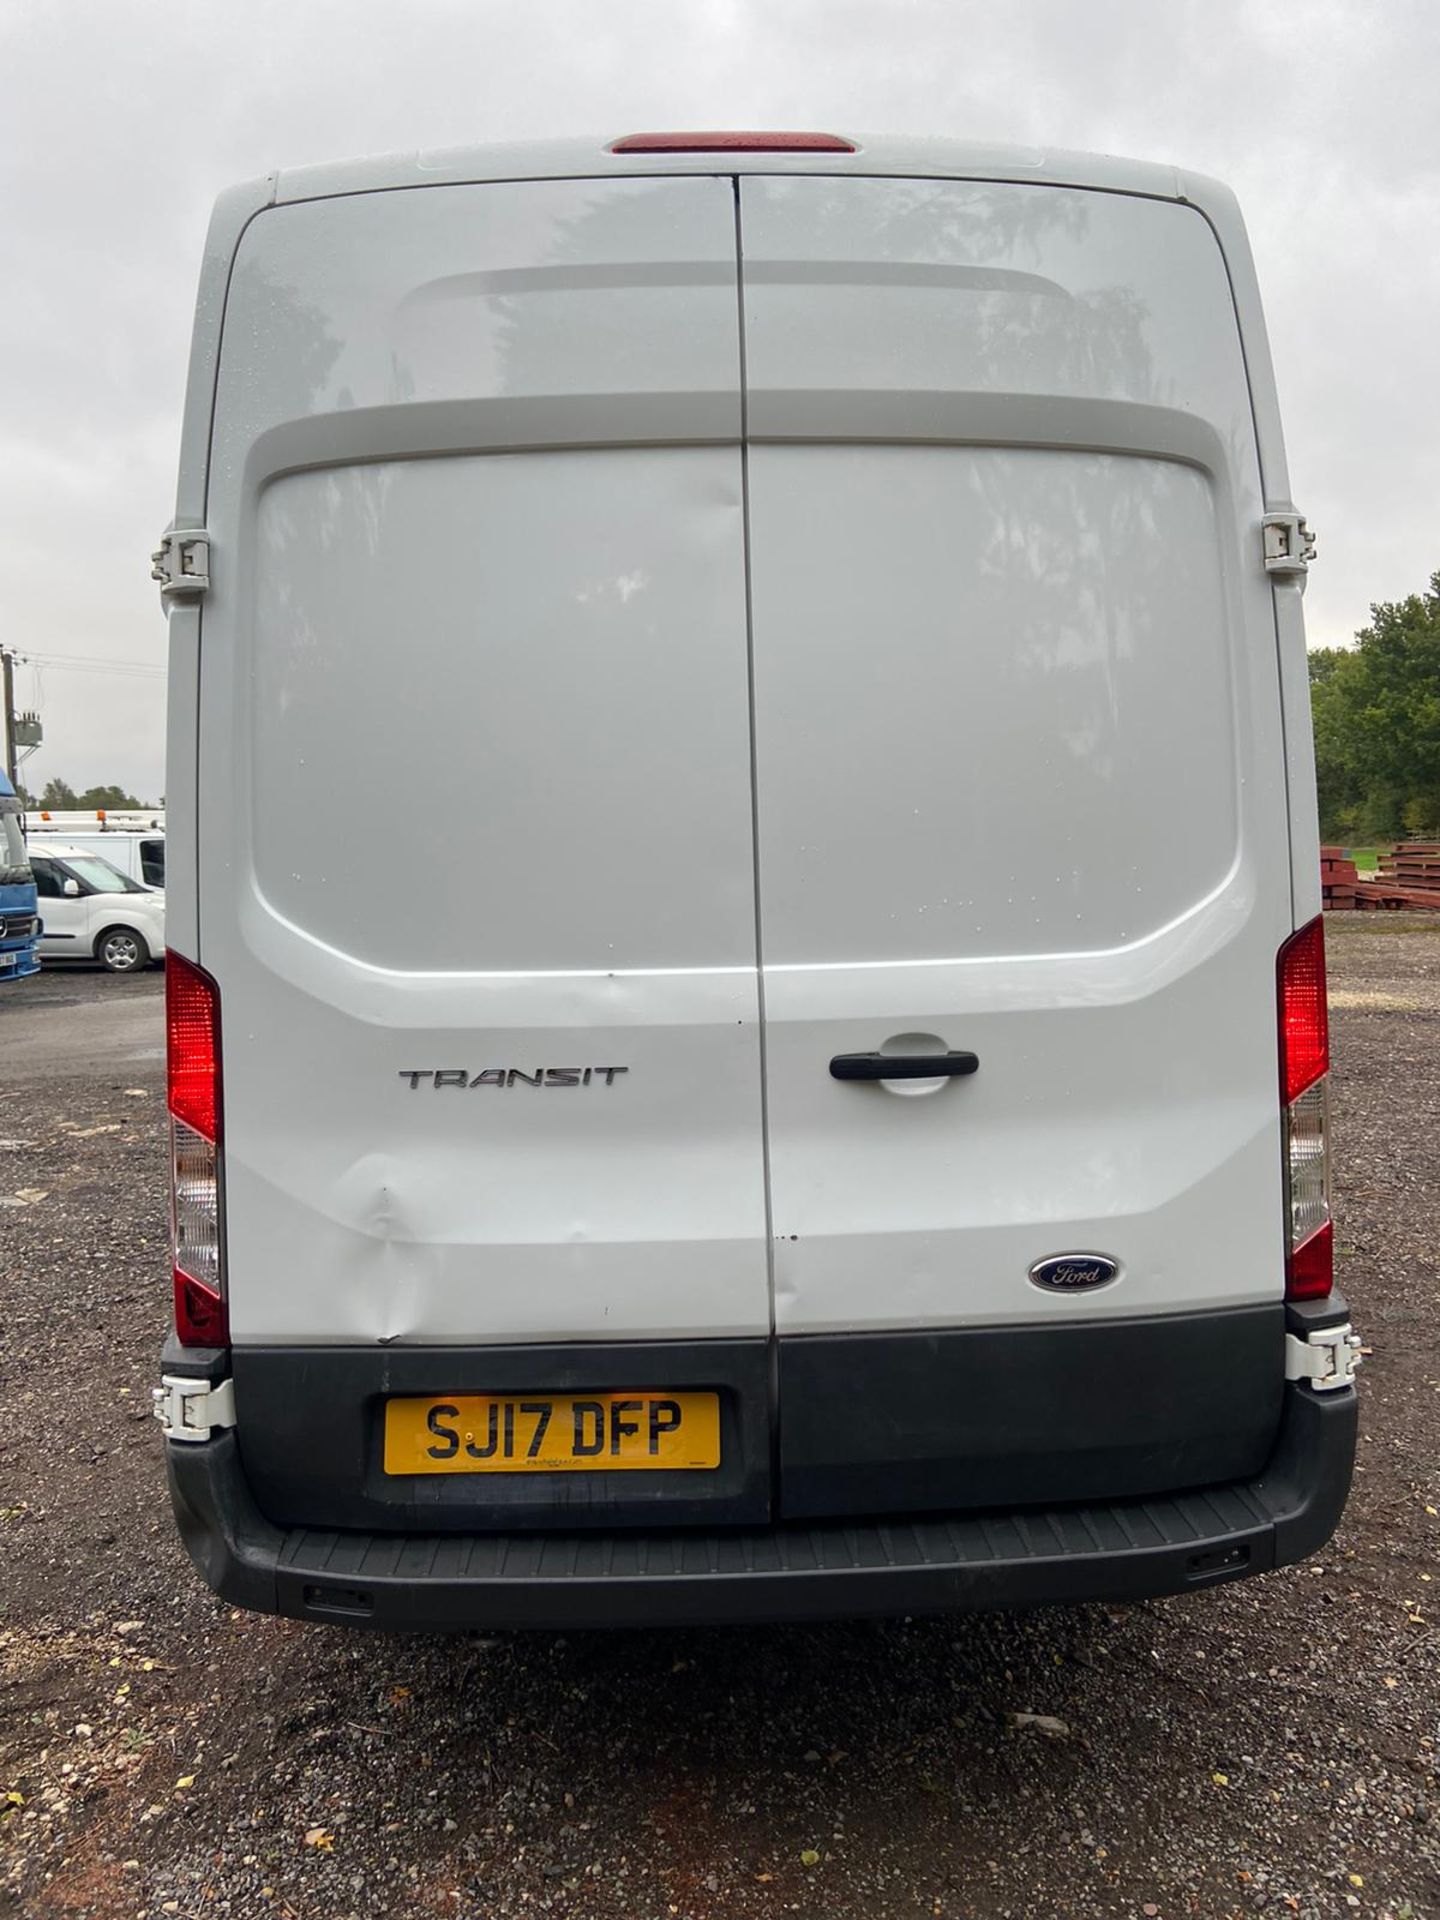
(1344, 925)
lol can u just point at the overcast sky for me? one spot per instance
(119, 122)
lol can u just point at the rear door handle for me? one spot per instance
(902, 1066)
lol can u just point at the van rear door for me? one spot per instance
(476, 860)
(1019, 795)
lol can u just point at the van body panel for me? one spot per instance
(233, 211)
(592, 155)
(809, 606)
(512, 987)
(972, 1417)
(332, 1475)
(993, 1418)
(967, 287)
(1306, 892)
(1108, 1550)
(1020, 779)
(533, 291)
(584, 614)
(1034, 723)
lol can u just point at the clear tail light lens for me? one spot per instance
(192, 1022)
(1308, 1163)
(1304, 1088)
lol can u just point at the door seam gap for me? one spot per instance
(763, 1050)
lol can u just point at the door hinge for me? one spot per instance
(1289, 543)
(192, 1409)
(1326, 1359)
(181, 562)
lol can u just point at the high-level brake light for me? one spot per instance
(733, 143)
(192, 1033)
(1304, 1093)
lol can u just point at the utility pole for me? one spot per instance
(16, 729)
(7, 709)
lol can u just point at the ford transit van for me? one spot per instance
(830, 1118)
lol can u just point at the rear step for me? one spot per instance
(1124, 1550)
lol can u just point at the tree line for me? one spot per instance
(1376, 708)
(59, 797)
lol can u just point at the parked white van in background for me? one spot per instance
(90, 910)
(836, 1124)
(140, 855)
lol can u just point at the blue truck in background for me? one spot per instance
(19, 907)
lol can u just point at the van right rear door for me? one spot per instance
(1019, 788)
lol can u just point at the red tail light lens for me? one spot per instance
(200, 1317)
(1304, 1019)
(1310, 1274)
(192, 1034)
(1305, 1115)
(733, 143)
(192, 1023)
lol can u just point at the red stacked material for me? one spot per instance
(1408, 881)
(1338, 881)
(1414, 863)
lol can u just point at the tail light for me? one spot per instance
(1304, 1092)
(192, 1034)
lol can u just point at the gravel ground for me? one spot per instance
(1267, 1746)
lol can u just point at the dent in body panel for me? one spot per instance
(394, 1242)
(393, 1231)
(496, 1212)
(387, 1249)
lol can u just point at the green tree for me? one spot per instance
(60, 797)
(1337, 777)
(108, 797)
(1377, 724)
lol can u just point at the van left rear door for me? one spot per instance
(476, 849)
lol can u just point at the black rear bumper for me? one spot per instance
(1025, 1556)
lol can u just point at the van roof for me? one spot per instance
(593, 157)
(872, 154)
(44, 829)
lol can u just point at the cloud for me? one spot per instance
(121, 121)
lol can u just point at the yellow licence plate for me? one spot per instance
(552, 1433)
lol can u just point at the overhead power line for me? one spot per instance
(90, 663)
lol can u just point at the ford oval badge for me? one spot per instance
(1074, 1272)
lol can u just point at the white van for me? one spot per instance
(835, 1122)
(139, 855)
(90, 910)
